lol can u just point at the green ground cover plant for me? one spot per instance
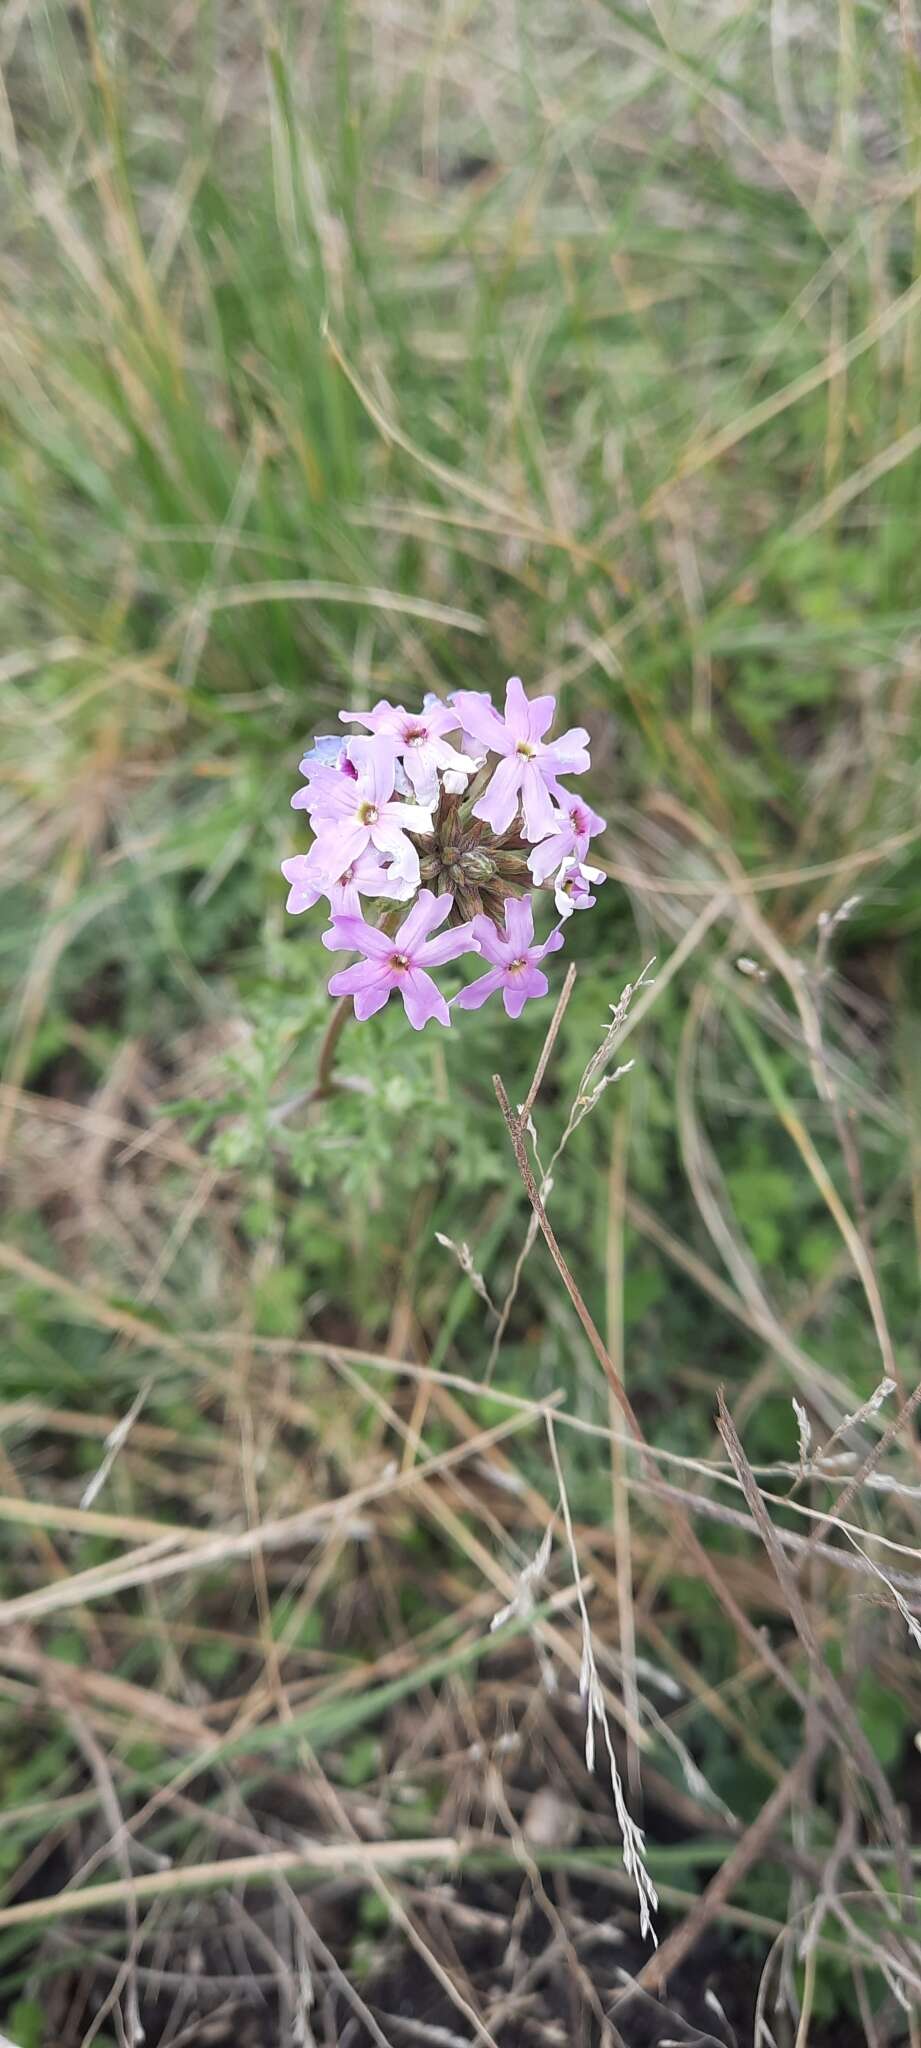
(364, 350)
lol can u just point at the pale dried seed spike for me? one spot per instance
(805, 1434)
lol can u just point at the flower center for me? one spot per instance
(413, 735)
(528, 751)
(398, 963)
(368, 814)
(518, 966)
(347, 877)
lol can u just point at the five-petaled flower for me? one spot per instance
(530, 765)
(574, 825)
(399, 962)
(366, 876)
(474, 832)
(515, 960)
(359, 811)
(420, 740)
(572, 889)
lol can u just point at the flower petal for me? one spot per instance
(373, 998)
(519, 924)
(303, 892)
(527, 718)
(499, 801)
(427, 913)
(472, 748)
(448, 945)
(369, 873)
(344, 899)
(523, 989)
(541, 714)
(326, 751)
(545, 859)
(355, 935)
(584, 821)
(397, 886)
(366, 876)
(439, 717)
(334, 849)
(569, 754)
(517, 708)
(408, 817)
(350, 980)
(421, 999)
(376, 761)
(492, 943)
(376, 720)
(328, 793)
(403, 855)
(478, 716)
(476, 995)
(539, 814)
(372, 877)
(447, 756)
(421, 766)
(573, 888)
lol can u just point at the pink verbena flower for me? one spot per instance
(366, 876)
(420, 741)
(573, 887)
(515, 959)
(574, 825)
(469, 853)
(529, 763)
(349, 815)
(400, 961)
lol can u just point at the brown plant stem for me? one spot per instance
(326, 1083)
(754, 1843)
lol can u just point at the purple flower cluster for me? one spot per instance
(467, 829)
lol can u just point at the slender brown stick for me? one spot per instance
(549, 1043)
(754, 1843)
(325, 1084)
